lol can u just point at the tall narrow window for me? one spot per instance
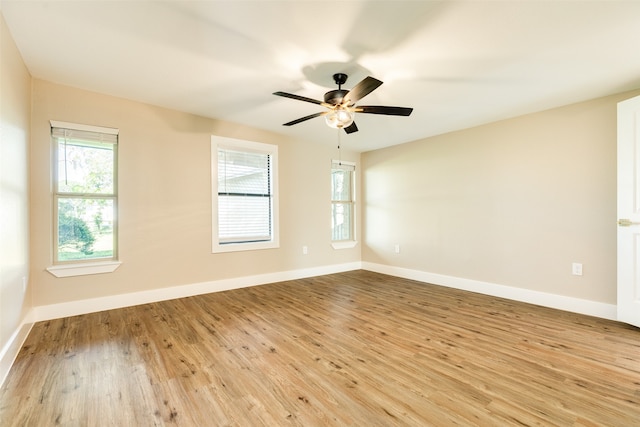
(342, 202)
(84, 192)
(244, 177)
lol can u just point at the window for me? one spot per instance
(244, 183)
(342, 203)
(84, 193)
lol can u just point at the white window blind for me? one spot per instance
(244, 185)
(72, 135)
(244, 196)
(347, 166)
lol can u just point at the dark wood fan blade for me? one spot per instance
(305, 118)
(298, 97)
(351, 128)
(381, 109)
(362, 89)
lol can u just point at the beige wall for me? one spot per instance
(165, 199)
(511, 203)
(15, 101)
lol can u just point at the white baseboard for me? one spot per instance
(12, 347)
(73, 308)
(574, 305)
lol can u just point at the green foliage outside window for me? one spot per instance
(74, 232)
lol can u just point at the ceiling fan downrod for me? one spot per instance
(340, 79)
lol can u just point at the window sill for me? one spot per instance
(344, 245)
(68, 270)
(239, 247)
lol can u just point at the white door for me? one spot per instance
(629, 211)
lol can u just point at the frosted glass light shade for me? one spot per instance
(339, 119)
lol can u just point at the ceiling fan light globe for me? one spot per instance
(339, 119)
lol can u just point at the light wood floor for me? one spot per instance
(349, 349)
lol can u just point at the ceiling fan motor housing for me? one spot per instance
(334, 97)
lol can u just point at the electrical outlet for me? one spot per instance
(396, 248)
(576, 269)
(24, 284)
(305, 250)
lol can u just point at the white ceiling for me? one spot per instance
(457, 63)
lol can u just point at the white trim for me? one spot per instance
(258, 147)
(244, 246)
(560, 302)
(347, 244)
(67, 270)
(576, 305)
(13, 346)
(73, 308)
(88, 128)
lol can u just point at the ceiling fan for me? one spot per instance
(341, 104)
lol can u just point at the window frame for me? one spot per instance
(220, 142)
(65, 268)
(352, 241)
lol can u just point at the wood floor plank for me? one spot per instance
(349, 349)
